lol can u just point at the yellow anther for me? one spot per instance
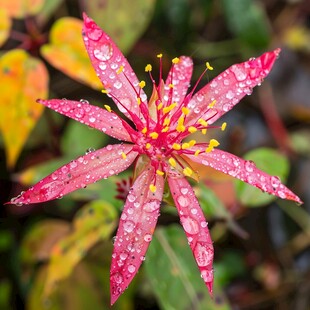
(176, 146)
(159, 172)
(108, 108)
(144, 130)
(104, 91)
(197, 152)
(159, 55)
(192, 143)
(148, 68)
(172, 162)
(159, 106)
(180, 128)
(202, 122)
(185, 146)
(165, 129)
(209, 67)
(185, 110)
(175, 60)
(171, 85)
(142, 84)
(192, 129)
(152, 188)
(148, 146)
(204, 131)
(169, 108)
(211, 105)
(153, 135)
(120, 70)
(166, 121)
(187, 171)
(124, 155)
(139, 100)
(223, 127)
(212, 144)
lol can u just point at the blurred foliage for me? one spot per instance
(57, 255)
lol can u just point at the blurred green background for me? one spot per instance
(56, 255)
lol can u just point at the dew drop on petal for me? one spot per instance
(203, 254)
(239, 73)
(117, 278)
(147, 238)
(190, 225)
(183, 201)
(151, 206)
(275, 181)
(207, 275)
(131, 197)
(104, 52)
(123, 256)
(128, 226)
(184, 190)
(249, 166)
(131, 268)
(230, 95)
(95, 34)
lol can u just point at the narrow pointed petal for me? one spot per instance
(195, 227)
(243, 170)
(230, 87)
(179, 76)
(93, 116)
(135, 231)
(108, 62)
(79, 173)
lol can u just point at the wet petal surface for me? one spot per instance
(135, 231)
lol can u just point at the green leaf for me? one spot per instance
(93, 223)
(47, 10)
(270, 161)
(247, 20)
(174, 276)
(23, 80)
(78, 138)
(125, 21)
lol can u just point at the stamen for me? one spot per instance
(185, 110)
(148, 146)
(175, 60)
(187, 171)
(192, 129)
(120, 70)
(185, 146)
(124, 155)
(171, 85)
(202, 122)
(223, 127)
(153, 135)
(159, 172)
(108, 108)
(166, 121)
(165, 129)
(172, 162)
(209, 67)
(180, 127)
(144, 130)
(139, 100)
(148, 68)
(176, 146)
(142, 84)
(212, 144)
(104, 91)
(169, 108)
(160, 105)
(211, 105)
(204, 131)
(192, 143)
(159, 55)
(152, 188)
(197, 152)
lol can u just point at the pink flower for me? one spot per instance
(157, 146)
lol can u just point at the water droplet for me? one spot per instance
(117, 278)
(123, 216)
(183, 201)
(95, 34)
(92, 119)
(118, 84)
(131, 198)
(275, 181)
(190, 225)
(282, 194)
(226, 82)
(130, 210)
(213, 84)
(184, 190)
(129, 226)
(194, 211)
(151, 206)
(102, 66)
(207, 275)
(227, 107)
(239, 73)
(203, 224)
(249, 166)
(230, 95)
(147, 238)
(123, 255)
(131, 268)
(203, 254)
(104, 52)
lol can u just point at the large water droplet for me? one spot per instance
(183, 201)
(207, 275)
(151, 206)
(123, 255)
(131, 268)
(239, 73)
(203, 254)
(184, 190)
(147, 238)
(129, 226)
(95, 34)
(190, 225)
(249, 166)
(117, 278)
(104, 52)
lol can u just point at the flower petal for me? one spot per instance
(195, 227)
(114, 71)
(93, 116)
(79, 173)
(136, 227)
(229, 88)
(243, 170)
(179, 76)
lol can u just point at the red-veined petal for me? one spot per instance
(79, 173)
(136, 227)
(195, 227)
(229, 88)
(93, 116)
(113, 69)
(178, 80)
(243, 170)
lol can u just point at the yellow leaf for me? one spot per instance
(95, 222)
(23, 79)
(67, 52)
(5, 25)
(21, 8)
